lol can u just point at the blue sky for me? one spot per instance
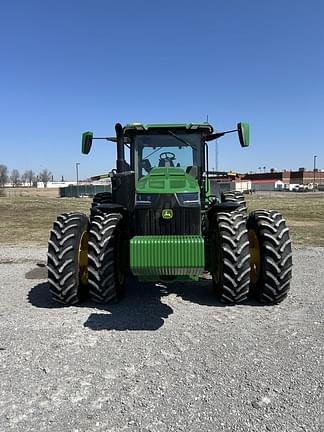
(71, 66)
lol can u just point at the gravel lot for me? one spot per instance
(164, 359)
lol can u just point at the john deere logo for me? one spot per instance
(167, 214)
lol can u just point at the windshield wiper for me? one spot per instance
(179, 139)
(175, 136)
(154, 151)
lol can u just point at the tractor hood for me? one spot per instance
(167, 180)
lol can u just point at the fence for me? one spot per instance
(74, 191)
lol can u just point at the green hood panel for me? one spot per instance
(167, 180)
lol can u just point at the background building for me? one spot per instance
(286, 180)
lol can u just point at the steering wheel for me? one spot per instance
(167, 156)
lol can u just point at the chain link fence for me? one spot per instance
(75, 191)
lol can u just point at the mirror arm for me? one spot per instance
(112, 139)
(218, 135)
(230, 131)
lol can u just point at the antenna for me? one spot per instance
(216, 154)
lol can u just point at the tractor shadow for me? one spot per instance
(140, 309)
(143, 307)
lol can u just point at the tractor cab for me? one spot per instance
(168, 146)
(163, 157)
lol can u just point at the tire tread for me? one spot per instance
(63, 271)
(276, 256)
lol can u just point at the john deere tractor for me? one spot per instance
(162, 222)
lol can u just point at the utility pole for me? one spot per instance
(77, 176)
(77, 172)
(314, 172)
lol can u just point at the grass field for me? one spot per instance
(304, 213)
(27, 215)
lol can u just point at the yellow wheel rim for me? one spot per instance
(255, 256)
(83, 258)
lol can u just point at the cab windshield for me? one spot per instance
(180, 150)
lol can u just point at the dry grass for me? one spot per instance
(28, 214)
(304, 213)
(29, 192)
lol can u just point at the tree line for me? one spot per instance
(28, 177)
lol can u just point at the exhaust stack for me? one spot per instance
(120, 163)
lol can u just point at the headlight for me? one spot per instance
(188, 198)
(144, 199)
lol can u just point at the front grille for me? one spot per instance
(186, 220)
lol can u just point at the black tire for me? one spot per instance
(67, 258)
(107, 257)
(271, 256)
(100, 198)
(236, 197)
(231, 275)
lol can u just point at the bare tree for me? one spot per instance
(15, 177)
(29, 176)
(24, 178)
(3, 175)
(45, 176)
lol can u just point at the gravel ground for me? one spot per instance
(164, 359)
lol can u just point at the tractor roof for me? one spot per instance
(132, 127)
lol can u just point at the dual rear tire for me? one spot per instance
(252, 256)
(87, 258)
(230, 247)
(107, 257)
(271, 256)
(67, 258)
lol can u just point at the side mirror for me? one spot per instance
(243, 130)
(86, 142)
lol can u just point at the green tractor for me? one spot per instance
(162, 222)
